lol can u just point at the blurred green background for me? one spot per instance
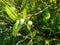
(29, 22)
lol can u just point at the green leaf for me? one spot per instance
(24, 13)
(39, 38)
(11, 13)
(47, 42)
(16, 24)
(46, 16)
(33, 34)
(16, 28)
(52, 1)
(30, 42)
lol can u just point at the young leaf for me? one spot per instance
(24, 13)
(16, 24)
(46, 16)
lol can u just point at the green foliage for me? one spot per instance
(13, 15)
(16, 28)
(24, 13)
(30, 42)
(29, 22)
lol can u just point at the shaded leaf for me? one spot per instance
(33, 34)
(30, 42)
(16, 28)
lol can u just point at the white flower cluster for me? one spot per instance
(22, 21)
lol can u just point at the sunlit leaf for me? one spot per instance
(24, 13)
(46, 16)
(11, 13)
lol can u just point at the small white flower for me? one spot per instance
(30, 22)
(18, 34)
(21, 21)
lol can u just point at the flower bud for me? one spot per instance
(30, 23)
(21, 21)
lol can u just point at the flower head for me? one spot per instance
(30, 22)
(21, 21)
